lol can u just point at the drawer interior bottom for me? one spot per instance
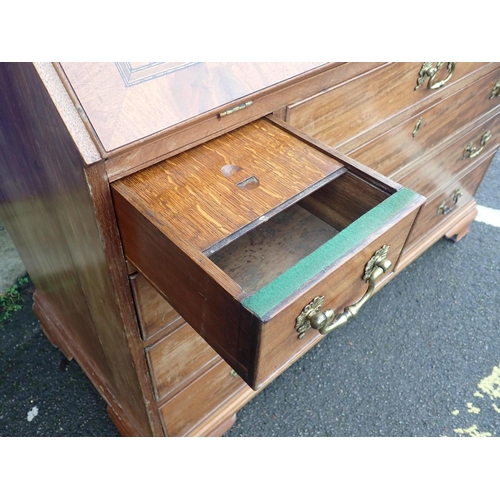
(259, 256)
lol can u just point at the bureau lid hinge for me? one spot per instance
(236, 108)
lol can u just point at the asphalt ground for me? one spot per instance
(421, 359)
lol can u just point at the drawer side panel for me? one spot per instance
(211, 307)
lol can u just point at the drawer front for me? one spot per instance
(347, 111)
(432, 174)
(178, 359)
(429, 217)
(200, 400)
(398, 148)
(154, 313)
(281, 344)
(237, 258)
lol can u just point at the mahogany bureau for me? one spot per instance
(194, 228)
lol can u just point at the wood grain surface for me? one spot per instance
(201, 399)
(48, 210)
(429, 218)
(154, 314)
(209, 194)
(261, 255)
(203, 293)
(200, 292)
(123, 109)
(178, 359)
(225, 188)
(397, 149)
(432, 174)
(368, 102)
(342, 285)
(459, 220)
(183, 136)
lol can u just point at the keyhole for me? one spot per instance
(250, 182)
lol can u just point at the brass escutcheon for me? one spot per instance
(417, 127)
(312, 317)
(429, 71)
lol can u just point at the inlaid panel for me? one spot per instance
(126, 102)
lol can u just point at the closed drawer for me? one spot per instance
(241, 233)
(201, 400)
(178, 359)
(448, 201)
(155, 314)
(339, 115)
(404, 144)
(432, 174)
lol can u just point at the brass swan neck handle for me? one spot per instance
(429, 71)
(471, 151)
(327, 321)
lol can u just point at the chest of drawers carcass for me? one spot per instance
(192, 229)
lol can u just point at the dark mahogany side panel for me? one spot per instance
(47, 208)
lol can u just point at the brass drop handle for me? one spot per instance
(443, 209)
(471, 151)
(312, 316)
(429, 71)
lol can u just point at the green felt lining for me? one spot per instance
(268, 297)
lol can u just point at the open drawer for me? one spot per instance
(260, 234)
